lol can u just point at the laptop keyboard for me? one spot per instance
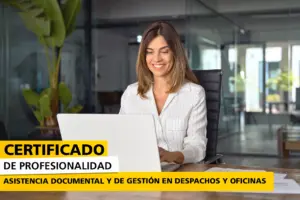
(169, 167)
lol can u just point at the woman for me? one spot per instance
(168, 90)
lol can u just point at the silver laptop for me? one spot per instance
(130, 137)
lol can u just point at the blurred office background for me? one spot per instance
(256, 43)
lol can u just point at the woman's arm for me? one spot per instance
(123, 102)
(194, 145)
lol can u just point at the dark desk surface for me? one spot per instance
(288, 139)
(295, 174)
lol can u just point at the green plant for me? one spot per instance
(52, 22)
(239, 83)
(273, 98)
(283, 81)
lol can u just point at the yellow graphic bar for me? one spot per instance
(38, 149)
(157, 181)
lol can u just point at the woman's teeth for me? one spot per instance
(157, 66)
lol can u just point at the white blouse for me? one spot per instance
(181, 126)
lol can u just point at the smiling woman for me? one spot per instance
(169, 90)
(159, 57)
(162, 49)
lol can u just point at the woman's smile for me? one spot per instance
(157, 66)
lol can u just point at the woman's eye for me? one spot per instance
(148, 52)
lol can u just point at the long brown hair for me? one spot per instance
(180, 71)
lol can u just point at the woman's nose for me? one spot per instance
(157, 57)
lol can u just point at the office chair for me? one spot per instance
(211, 81)
(295, 115)
(3, 133)
(110, 101)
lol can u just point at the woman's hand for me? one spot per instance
(170, 157)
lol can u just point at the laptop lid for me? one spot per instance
(130, 137)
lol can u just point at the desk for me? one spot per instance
(295, 174)
(288, 139)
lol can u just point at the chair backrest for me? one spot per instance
(297, 98)
(211, 81)
(3, 133)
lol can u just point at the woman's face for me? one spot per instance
(159, 57)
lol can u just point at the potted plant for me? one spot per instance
(52, 21)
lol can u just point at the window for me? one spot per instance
(211, 59)
(253, 89)
(295, 70)
(273, 74)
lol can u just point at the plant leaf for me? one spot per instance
(53, 13)
(38, 116)
(35, 12)
(45, 106)
(31, 97)
(70, 10)
(51, 19)
(65, 94)
(47, 41)
(15, 4)
(74, 109)
(46, 91)
(27, 5)
(37, 25)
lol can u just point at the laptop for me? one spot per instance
(132, 138)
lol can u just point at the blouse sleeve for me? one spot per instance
(123, 102)
(194, 145)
